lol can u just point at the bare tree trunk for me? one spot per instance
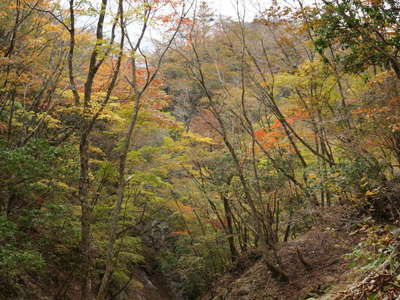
(86, 209)
(229, 227)
(117, 208)
(15, 29)
(86, 215)
(71, 52)
(137, 96)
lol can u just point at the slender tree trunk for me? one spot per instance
(137, 96)
(86, 215)
(229, 227)
(120, 198)
(15, 29)
(86, 127)
(71, 52)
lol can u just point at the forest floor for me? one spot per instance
(322, 249)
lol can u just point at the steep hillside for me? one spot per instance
(324, 264)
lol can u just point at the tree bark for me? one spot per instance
(229, 227)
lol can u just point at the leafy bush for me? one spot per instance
(16, 256)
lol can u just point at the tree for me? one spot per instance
(138, 91)
(367, 32)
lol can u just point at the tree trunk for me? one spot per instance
(120, 198)
(86, 215)
(229, 227)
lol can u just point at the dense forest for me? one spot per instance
(155, 149)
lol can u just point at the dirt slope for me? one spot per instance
(322, 250)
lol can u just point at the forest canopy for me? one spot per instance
(157, 141)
